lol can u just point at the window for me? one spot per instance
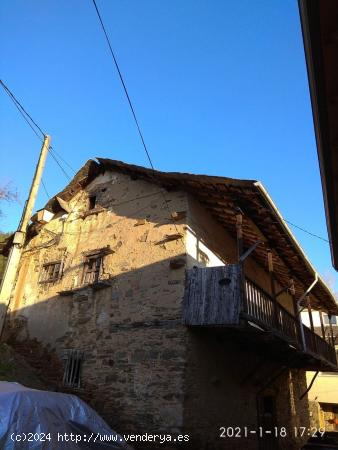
(51, 272)
(92, 269)
(328, 320)
(268, 417)
(73, 366)
(92, 201)
(202, 257)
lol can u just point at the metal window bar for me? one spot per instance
(72, 373)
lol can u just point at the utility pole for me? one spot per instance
(19, 237)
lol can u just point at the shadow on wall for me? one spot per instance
(130, 330)
(143, 370)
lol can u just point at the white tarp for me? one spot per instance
(31, 419)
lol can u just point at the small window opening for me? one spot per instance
(72, 373)
(51, 272)
(268, 404)
(268, 416)
(92, 201)
(202, 257)
(92, 269)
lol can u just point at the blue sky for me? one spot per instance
(219, 87)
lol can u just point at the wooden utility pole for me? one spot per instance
(13, 260)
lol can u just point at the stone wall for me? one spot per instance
(130, 330)
(224, 386)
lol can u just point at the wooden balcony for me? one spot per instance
(217, 298)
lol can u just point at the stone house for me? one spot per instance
(174, 297)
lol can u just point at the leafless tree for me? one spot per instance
(7, 194)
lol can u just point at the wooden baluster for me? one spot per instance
(313, 337)
(264, 306)
(292, 291)
(322, 325)
(331, 330)
(249, 297)
(255, 302)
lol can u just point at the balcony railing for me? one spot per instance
(214, 297)
(261, 308)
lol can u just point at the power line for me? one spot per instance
(30, 121)
(58, 163)
(62, 159)
(24, 117)
(306, 231)
(19, 105)
(130, 104)
(123, 84)
(137, 123)
(44, 187)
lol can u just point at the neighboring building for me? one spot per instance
(324, 324)
(133, 277)
(323, 395)
(319, 20)
(320, 33)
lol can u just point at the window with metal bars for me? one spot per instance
(92, 269)
(73, 366)
(51, 272)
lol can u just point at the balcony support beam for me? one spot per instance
(239, 231)
(310, 385)
(273, 288)
(249, 251)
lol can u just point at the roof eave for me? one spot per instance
(287, 230)
(315, 62)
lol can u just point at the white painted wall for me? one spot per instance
(200, 253)
(316, 319)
